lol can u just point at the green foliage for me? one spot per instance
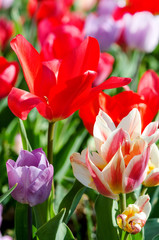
(55, 229)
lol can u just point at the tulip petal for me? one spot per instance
(154, 155)
(80, 60)
(151, 133)
(73, 93)
(144, 204)
(152, 178)
(44, 178)
(21, 103)
(102, 128)
(97, 175)
(113, 143)
(80, 169)
(134, 173)
(29, 59)
(114, 171)
(112, 82)
(132, 123)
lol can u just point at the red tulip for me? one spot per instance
(6, 31)
(8, 76)
(134, 6)
(119, 105)
(57, 88)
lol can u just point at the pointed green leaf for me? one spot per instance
(25, 141)
(105, 214)
(5, 195)
(21, 221)
(71, 200)
(151, 228)
(55, 229)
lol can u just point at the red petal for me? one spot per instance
(21, 103)
(80, 60)
(29, 59)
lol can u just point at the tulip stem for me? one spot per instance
(122, 200)
(50, 142)
(50, 159)
(29, 223)
(126, 236)
(143, 190)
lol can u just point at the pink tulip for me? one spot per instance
(135, 215)
(122, 158)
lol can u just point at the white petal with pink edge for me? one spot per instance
(80, 169)
(113, 172)
(144, 204)
(97, 175)
(103, 126)
(135, 171)
(132, 123)
(114, 141)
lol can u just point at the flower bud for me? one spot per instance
(135, 215)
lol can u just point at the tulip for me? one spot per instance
(34, 175)
(57, 88)
(6, 31)
(121, 104)
(134, 217)
(5, 3)
(152, 174)
(8, 76)
(141, 31)
(103, 28)
(123, 154)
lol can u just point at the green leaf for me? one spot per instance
(21, 221)
(25, 141)
(151, 228)
(40, 214)
(5, 195)
(156, 237)
(105, 214)
(71, 200)
(55, 229)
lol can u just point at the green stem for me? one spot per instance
(29, 223)
(50, 159)
(122, 200)
(143, 190)
(50, 142)
(126, 236)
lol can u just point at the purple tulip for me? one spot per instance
(33, 173)
(141, 31)
(106, 7)
(104, 29)
(6, 3)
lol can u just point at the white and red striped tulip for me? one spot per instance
(123, 154)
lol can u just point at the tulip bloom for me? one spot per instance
(140, 31)
(8, 76)
(152, 176)
(134, 217)
(34, 175)
(57, 88)
(123, 154)
(121, 104)
(103, 28)
(6, 31)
